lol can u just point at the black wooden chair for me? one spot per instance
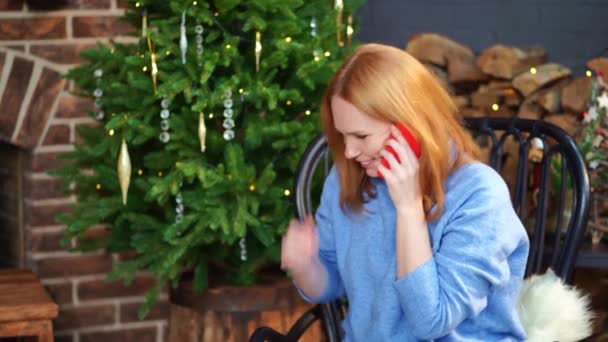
(561, 177)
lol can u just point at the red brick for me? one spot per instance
(44, 215)
(33, 28)
(122, 4)
(100, 27)
(128, 312)
(48, 88)
(43, 188)
(88, 4)
(57, 135)
(61, 293)
(43, 162)
(45, 5)
(74, 266)
(18, 80)
(46, 242)
(96, 233)
(72, 106)
(11, 5)
(99, 289)
(147, 334)
(62, 54)
(127, 256)
(85, 316)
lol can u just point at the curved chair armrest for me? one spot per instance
(263, 334)
(305, 321)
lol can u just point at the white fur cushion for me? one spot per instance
(550, 310)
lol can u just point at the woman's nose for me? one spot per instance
(350, 151)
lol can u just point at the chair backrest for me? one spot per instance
(561, 160)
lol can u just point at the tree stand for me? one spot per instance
(231, 313)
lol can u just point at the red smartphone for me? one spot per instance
(409, 137)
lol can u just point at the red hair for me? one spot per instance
(388, 84)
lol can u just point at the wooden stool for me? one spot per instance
(26, 309)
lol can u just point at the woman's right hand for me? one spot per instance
(300, 246)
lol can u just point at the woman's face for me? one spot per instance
(364, 137)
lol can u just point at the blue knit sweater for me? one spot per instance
(466, 292)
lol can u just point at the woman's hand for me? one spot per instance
(300, 246)
(412, 241)
(402, 178)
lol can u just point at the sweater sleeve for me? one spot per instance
(472, 258)
(327, 248)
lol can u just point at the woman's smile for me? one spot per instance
(367, 163)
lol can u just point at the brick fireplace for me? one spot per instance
(38, 121)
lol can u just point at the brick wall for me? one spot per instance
(39, 115)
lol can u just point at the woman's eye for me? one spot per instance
(360, 136)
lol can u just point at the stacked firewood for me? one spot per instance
(507, 81)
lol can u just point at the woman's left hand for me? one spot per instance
(402, 178)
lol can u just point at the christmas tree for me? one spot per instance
(202, 121)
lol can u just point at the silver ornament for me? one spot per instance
(164, 137)
(228, 124)
(228, 135)
(164, 125)
(183, 40)
(243, 247)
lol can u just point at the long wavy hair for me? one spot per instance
(388, 84)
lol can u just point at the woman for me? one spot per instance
(433, 249)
